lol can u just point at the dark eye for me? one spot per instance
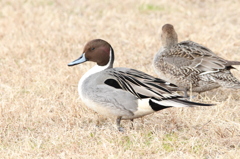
(92, 48)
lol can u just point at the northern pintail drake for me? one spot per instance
(120, 92)
(190, 65)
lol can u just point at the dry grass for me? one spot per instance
(41, 115)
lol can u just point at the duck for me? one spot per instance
(192, 66)
(123, 93)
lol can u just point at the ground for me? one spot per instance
(40, 113)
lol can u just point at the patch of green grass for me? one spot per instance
(170, 137)
(197, 149)
(24, 91)
(151, 7)
(167, 147)
(126, 142)
(91, 134)
(149, 137)
(168, 141)
(42, 3)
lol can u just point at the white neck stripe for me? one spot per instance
(96, 69)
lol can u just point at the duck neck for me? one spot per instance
(97, 68)
(111, 58)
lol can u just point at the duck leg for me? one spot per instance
(132, 124)
(118, 123)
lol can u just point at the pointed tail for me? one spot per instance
(176, 102)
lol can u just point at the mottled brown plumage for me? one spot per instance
(191, 65)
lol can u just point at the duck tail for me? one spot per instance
(176, 102)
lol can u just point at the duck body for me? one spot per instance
(121, 92)
(191, 65)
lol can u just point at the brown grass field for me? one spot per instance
(41, 115)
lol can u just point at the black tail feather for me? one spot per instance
(190, 103)
(156, 104)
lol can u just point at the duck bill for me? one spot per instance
(81, 59)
